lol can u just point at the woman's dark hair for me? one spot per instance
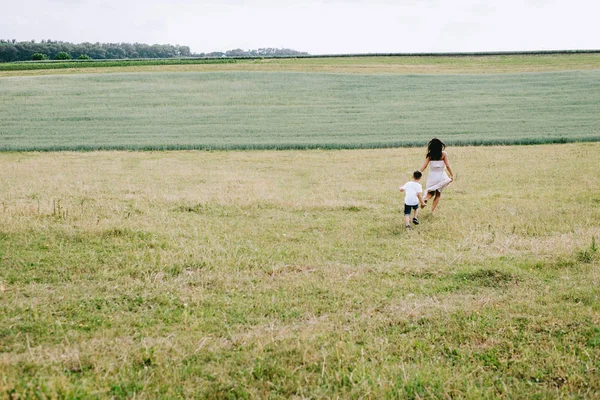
(435, 148)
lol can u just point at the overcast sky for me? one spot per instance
(314, 26)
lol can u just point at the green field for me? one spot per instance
(290, 275)
(53, 65)
(287, 110)
(479, 64)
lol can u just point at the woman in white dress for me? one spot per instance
(437, 180)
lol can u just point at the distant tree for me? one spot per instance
(8, 52)
(130, 51)
(84, 57)
(236, 53)
(280, 52)
(96, 51)
(143, 50)
(39, 56)
(184, 51)
(114, 51)
(270, 52)
(62, 55)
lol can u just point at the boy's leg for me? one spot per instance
(415, 219)
(407, 215)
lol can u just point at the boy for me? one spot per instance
(413, 198)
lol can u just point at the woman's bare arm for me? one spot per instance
(425, 164)
(447, 162)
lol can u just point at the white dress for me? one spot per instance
(437, 178)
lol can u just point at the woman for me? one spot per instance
(437, 180)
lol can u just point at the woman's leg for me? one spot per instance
(428, 196)
(436, 200)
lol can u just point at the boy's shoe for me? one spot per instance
(407, 226)
(415, 221)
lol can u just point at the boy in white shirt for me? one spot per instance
(413, 197)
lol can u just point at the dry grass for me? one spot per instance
(289, 274)
(368, 65)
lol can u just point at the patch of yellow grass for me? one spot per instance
(367, 65)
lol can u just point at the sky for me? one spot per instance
(313, 26)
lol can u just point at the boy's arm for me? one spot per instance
(420, 197)
(402, 188)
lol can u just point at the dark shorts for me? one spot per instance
(408, 209)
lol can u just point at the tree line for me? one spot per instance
(11, 50)
(265, 52)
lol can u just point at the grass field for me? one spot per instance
(105, 64)
(290, 274)
(241, 110)
(362, 65)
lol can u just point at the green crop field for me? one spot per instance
(245, 110)
(79, 64)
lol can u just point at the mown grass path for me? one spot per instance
(245, 110)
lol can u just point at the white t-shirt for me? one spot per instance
(411, 189)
